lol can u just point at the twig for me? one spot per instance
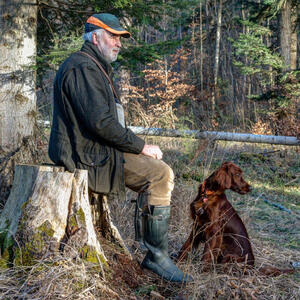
(101, 267)
(281, 207)
(288, 183)
(106, 289)
(269, 152)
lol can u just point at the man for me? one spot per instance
(89, 132)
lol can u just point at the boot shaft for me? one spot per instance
(156, 223)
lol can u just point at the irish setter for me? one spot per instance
(217, 224)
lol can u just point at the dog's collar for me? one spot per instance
(203, 192)
(204, 196)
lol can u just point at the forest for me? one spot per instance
(205, 65)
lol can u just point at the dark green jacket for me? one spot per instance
(85, 132)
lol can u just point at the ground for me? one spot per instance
(274, 174)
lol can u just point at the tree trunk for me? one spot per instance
(285, 34)
(18, 50)
(217, 56)
(218, 135)
(48, 211)
(294, 38)
(201, 46)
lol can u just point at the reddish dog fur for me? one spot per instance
(217, 224)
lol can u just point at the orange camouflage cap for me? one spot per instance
(106, 21)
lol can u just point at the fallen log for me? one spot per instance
(48, 212)
(218, 135)
(211, 135)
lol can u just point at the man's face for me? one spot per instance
(109, 45)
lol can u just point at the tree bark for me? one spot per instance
(102, 219)
(217, 56)
(18, 51)
(294, 37)
(201, 45)
(218, 135)
(285, 34)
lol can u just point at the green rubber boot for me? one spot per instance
(141, 203)
(156, 223)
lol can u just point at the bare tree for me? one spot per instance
(294, 37)
(18, 23)
(285, 33)
(217, 55)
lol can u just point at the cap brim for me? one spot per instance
(119, 31)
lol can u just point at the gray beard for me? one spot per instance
(109, 56)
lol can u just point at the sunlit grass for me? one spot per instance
(274, 233)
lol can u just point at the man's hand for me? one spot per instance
(152, 151)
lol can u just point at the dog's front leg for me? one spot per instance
(213, 245)
(196, 236)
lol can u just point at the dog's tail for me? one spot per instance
(272, 271)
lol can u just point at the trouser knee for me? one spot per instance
(162, 186)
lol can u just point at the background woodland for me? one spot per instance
(205, 65)
(214, 65)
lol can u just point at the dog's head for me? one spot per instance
(229, 176)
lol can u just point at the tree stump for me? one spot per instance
(47, 211)
(103, 220)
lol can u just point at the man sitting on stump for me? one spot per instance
(89, 132)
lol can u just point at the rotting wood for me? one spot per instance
(80, 233)
(103, 220)
(218, 135)
(47, 206)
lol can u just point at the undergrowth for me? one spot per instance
(271, 213)
(274, 174)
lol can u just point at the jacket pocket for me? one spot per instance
(93, 160)
(99, 168)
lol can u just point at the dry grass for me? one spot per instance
(57, 278)
(274, 233)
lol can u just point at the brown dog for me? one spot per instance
(217, 224)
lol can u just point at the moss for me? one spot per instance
(81, 216)
(46, 228)
(79, 286)
(23, 256)
(77, 220)
(23, 207)
(5, 259)
(72, 222)
(6, 246)
(29, 251)
(89, 254)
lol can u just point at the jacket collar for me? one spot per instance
(92, 49)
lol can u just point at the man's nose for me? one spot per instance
(118, 43)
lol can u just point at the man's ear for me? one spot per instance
(95, 38)
(223, 178)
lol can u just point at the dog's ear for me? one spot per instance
(223, 177)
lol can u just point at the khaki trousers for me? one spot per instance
(144, 174)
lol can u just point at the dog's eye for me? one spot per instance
(238, 174)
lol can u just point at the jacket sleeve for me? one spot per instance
(84, 87)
